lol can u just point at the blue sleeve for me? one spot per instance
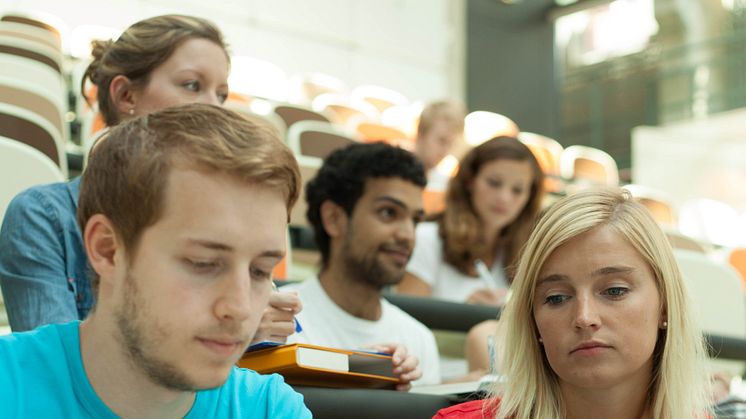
(32, 264)
(286, 402)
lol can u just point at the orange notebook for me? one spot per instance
(319, 366)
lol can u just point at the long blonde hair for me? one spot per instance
(679, 388)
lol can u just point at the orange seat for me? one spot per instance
(737, 259)
(281, 269)
(433, 201)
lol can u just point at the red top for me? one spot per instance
(473, 410)
(468, 410)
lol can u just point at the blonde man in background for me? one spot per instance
(440, 129)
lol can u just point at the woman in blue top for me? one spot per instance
(158, 62)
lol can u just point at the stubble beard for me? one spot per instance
(368, 268)
(140, 337)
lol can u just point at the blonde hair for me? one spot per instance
(451, 112)
(679, 387)
(459, 226)
(139, 50)
(127, 174)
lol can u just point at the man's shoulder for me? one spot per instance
(42, 336)
(251, 392)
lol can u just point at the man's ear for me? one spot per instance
(333, 218)
(102, 245)
(122, 94)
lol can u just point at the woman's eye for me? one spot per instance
(617, 291)
(222, 97)
(192, 85)
(554, 300)
(203, 266)
(517, 191)
(494, 183)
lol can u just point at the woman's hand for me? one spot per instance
(488, 297)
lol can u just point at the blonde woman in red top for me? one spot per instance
(599, 324)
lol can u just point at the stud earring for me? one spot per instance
(541, 340)
(665, 324)
(131, 111)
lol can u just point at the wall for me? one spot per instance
(408, 45)
(510, 62)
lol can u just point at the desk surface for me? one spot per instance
(332, 403)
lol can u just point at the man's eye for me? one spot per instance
(387, 213)
(260, 274)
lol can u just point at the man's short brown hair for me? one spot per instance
(127, 173)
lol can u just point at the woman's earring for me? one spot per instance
(665, 325)
(541, 340)
(131, 111)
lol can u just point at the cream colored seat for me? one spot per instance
(29, 128)
(21, 167)
(316, 139)
(582, 164)
(717, 292)
(309, 166)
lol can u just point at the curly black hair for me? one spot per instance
(342, 178)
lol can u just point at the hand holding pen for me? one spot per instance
(492, 294)
(278, 320)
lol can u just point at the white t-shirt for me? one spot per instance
(447, 282)
(325, 323)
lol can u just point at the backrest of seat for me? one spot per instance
(29, 128)
(737, 259)
(309, 166)
(28, 96)
(321, 144)
(291, 114)
(31, 33)
(32, 50)
(718, 296)
(21, 167)
(582, 163)
(316, 139)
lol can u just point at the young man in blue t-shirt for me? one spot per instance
(183, 214)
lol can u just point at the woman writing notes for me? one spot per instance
(491, 203)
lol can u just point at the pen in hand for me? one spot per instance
(298, 327)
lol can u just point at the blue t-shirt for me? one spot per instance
(42, 376)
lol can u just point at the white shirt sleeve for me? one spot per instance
(427, 256)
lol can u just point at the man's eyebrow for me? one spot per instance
(392, 200)
(419, 212)
(209, 244)
(278, 254)
(213, 245)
